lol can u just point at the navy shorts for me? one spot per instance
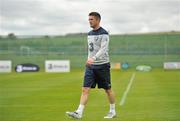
(97, 75)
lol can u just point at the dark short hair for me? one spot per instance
(96, 14)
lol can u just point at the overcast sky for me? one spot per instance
(54, 17)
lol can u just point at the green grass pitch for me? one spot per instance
(154, 96)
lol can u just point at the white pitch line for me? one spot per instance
(127, 90)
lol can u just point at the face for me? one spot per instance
(93, 21)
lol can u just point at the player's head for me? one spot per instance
(94, 19)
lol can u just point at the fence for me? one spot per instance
(151, 49)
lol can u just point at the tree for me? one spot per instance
(11, 36)
(46, 36)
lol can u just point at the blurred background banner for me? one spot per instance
(172, 65)
(5, 66)
(57, 66)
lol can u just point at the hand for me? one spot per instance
(89, 61)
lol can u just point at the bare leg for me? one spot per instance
(83, 100)
(112, 111)
(110, 95)
(84, 95)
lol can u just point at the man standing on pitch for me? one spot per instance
(97, 67)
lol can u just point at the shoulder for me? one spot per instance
(100, 31)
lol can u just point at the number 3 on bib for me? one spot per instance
(91, 46)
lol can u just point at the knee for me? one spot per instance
(108, 91)
(85, 91)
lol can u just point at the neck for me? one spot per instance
(96, 28)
